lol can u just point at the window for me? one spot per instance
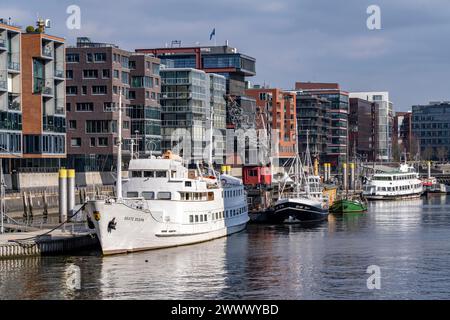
(196, 218)
(85, 106)
(105, 74)
(92, 142)
(132, 95)
(90, 74)
(164, 195)
(102, 142)
(148, 195)
(75, 142)
(126, 125)
(99, 90)
(72, 124)
(132, 194)
(89, 57)
(188, 184)
(191, 218)
(161, 174)
(101, 126)
(116, 74)
(100, 57)
(149, 174)
(125, 77)
(136, 174)
(68, 107)
(84, 90)
(69, 74)
(72, 57)
(71, 90)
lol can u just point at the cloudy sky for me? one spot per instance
(292, 40)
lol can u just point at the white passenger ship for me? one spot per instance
(166, 205)
(401, 184)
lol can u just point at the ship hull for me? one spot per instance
(121, 229)
(297, 211)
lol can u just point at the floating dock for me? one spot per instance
(35, 243)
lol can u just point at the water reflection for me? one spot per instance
(407, 239)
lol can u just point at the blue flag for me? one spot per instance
(213, 33)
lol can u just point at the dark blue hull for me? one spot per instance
(291, 212)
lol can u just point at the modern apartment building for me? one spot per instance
(223, 60)
(313, 117)
(276, 112)
(10, 94)
(402, 136)
(431, 126)
(96, 74)
(188, 99)
(384, 119)
(338, 112)
(43, 100)
(145, 110)
(361, 131)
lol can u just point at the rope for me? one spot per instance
(51, 230)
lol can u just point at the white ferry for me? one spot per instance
(401, 184)
(164, 204)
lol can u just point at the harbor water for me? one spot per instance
(407, 240)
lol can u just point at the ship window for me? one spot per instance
(201, 218)
(132, 194)
(164, 195)
(136, 174)
(148, 195)
(161, 174)
(196, 218)
(205, 217)
(173, 174)
(149, 174)
(188, 184)
(210, 196)
(191, 218)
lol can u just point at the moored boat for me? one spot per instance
(348, 206)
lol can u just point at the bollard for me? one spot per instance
(70, 191)
(62, 195)
(25, 205)
(352, 176)
(345, 177)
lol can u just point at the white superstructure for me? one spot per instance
(400, 184)
(164, 204)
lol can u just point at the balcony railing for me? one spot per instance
(47, 90)
(175, 81)
(59, 73)
(14, 66)
(13, 105)
(47, 52)
(3, 85)
(177, 95)
(59, 106)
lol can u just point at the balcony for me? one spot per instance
(2, 44)
(13, 66)
(47, 91)
(47, 52)
(59, 106)
(13, 101)
(168, 81)
(177, 95)
(59, 74)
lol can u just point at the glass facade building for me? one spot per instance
(187, 96)
(431, 127)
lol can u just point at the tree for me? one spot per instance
(442, 154)
(427, 153)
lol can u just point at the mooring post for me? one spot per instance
(30, 206)
(62, 196)
(25, 205)
(45, 213)
(352, 176)
(70, 191)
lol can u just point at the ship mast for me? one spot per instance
(119, 151)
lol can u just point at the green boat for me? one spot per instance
(348, 206)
